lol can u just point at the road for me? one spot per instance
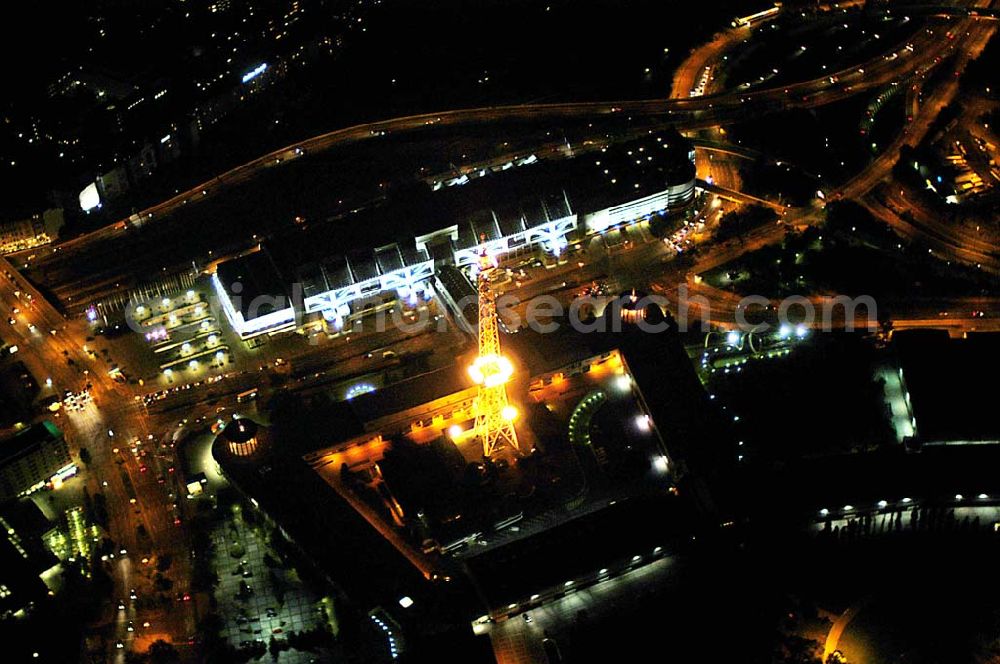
(63, 356)
(105, 428)
(908, 215)
(840, 624)
(689, 113)
(958, 315)
(971, 46)
(689, 72)
(946, 240)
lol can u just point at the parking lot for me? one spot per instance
(258, 600)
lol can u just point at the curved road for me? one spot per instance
(708, 110)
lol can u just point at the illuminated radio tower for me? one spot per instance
(491, 370)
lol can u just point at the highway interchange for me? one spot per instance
(709, 110)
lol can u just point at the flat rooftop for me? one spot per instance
(936, 475)
(327, 254)
(410, 393)
(946, 379)
(343, 546)
(577, 549)
(252, 282)
(20, 443)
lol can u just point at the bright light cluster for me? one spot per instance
(491, 370)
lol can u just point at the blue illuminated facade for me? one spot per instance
(614, 188)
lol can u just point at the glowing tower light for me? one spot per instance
(491, 371)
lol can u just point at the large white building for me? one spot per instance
(538, 207)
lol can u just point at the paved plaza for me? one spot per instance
(276, 590)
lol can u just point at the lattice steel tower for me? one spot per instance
(491, 370)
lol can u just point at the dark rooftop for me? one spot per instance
(946, 381)
(378, 238)
(462, 292)
(20, 577)
(259, 281)
(240, 430)
(693, 431)
(346, 549)
(579, 547)
(25, 518)
(27, 439)
(410, 393)
(20, 573)
(936, 474)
